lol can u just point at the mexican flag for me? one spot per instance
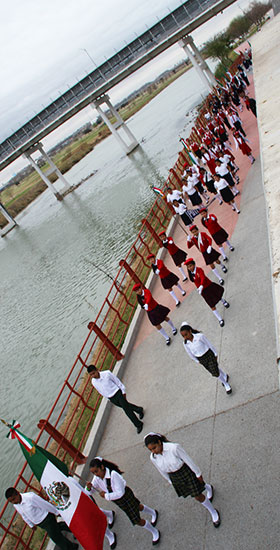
(84, 518)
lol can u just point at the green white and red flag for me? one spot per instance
(81, 514)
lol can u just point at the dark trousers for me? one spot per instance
(120, 401)
(54, 529)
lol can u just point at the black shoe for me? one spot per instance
(229, 391)
(185, 279)
(226, 305)
(178, 304)
(156, 541)
(184, 293)
(218, 522)
(140, 428)
(111, 523)
(155, 521)
(114, 544)
(225, 259)
(224, 269)
(174, 331)
(168, 341)
(222, 323)
(232, 248)
(221, 281)
(141, 415)
(213, 492)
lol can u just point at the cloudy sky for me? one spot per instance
(43, 41)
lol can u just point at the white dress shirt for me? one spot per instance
(172, 459)
(198, 346)
(108, 384)
(34, 509)
(222, 170)
(190, 188)
(180, 209)
(118, 485)
(221, 184)
(175, 195)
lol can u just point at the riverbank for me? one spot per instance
(17, 197)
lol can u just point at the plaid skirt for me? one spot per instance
(158, 314)
(210, 362)
(130, 505)
(212, 294)
(169, 281)
(186, 483)
(179, 257)
(220, 236)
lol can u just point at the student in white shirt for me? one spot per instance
(108, 385)
(175, 465)
(37, 512)
(110, 484)
(202, 351)
(226, 193)
(174, 194)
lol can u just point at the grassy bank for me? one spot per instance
(17, 197)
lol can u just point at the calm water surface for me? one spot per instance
(48, 290)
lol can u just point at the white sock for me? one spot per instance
(183, 272)
(174, 296)
(216, 313)
(234, 206)
(222, 252)
(220, 198)
(251, 158)
(235, 189)
(108, 514)
(171, 324)
(209, 506)
(228, 243)
(223, 377)
(152, 530)
(208, 489)
(150, 511)
(162, 331)
(216, 273)
(109, 535)
(223, 301)
(180, 288)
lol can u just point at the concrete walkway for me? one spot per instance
(234, 439)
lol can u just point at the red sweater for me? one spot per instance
(199, 278)
(163, 271)
(202, 246)
(148, 299)
(211, 223)
(171, 246)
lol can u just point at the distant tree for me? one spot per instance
(219, 48)
(238, 27)
(257, 11)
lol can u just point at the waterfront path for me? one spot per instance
(234, 439)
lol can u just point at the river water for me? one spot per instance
(48, 289)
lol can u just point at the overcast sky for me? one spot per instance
(42, 45)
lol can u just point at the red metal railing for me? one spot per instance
(74, 409)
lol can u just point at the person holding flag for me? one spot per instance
(83, 517)
(38, 512)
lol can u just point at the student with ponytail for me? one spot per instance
(175, 465)
(202, 351)
(110, 484)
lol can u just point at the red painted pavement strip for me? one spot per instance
(226, 217)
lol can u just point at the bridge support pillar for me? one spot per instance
(114, 127)
(198, 62)
(58, 193)
(11, 222)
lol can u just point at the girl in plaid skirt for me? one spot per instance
(201, 351)
(111, 485)
(175, 465)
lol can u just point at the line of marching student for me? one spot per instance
(215, 173)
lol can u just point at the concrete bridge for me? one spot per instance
(92, 90)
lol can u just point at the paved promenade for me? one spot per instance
(233, 438)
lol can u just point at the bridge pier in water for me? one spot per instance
(12, 223)
(52, 169)
(198, 62)
(119, 124)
